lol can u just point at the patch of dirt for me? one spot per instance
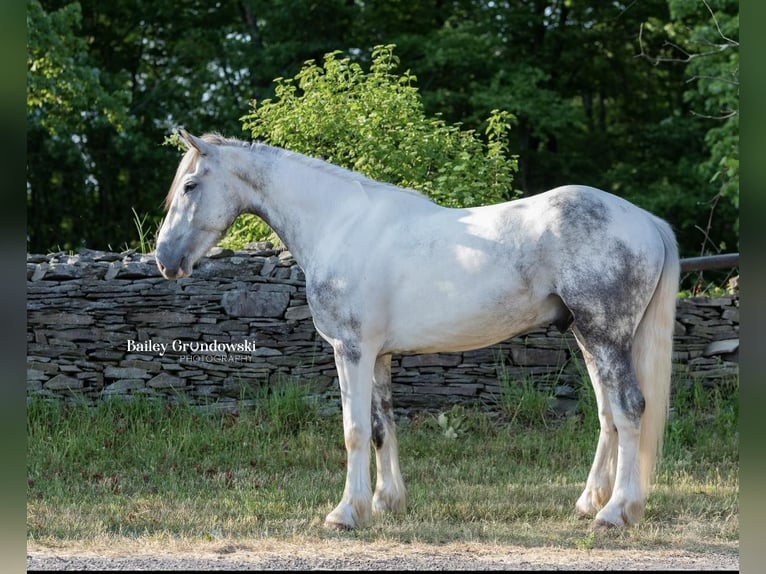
(384, 555)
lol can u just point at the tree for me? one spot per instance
(588, 109)
(702, 36)
(128, 73)
(63, 85)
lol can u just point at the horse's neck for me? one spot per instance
(305, 202)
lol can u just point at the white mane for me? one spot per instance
(315, 163)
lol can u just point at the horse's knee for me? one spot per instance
(628, 407)
(624, 397)
(357, 436)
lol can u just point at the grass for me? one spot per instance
(146, 239)
(150, 471)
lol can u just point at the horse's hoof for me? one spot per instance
(330, 525)
(600, 525)
(583, 513)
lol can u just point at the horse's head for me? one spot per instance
(201, 205)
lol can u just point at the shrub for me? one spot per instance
(374, 123)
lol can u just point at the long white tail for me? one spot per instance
(652, 358)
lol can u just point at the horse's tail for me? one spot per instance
(652, 357)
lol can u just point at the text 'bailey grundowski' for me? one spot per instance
(179, 346)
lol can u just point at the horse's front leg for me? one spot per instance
(355, 371)
(390, 493)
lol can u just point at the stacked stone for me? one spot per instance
(102, 325)
(544, 356)
(706, 339)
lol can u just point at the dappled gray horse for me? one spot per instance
(389, 271)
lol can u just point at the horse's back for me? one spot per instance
(582, 214)
(576, 232)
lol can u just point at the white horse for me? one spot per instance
(389, 271)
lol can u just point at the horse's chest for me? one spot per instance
(333, 305)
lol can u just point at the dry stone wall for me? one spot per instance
(102, 325)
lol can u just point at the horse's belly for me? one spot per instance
(430, 329)
(443, 341)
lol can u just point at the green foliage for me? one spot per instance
(69, 101)
(107, 81)
(63, 81)
(145, 237)
(528, 401)
(702, 38)
(715, 96)
(246, 229)
(703, 422)
(720, 286)
(452, 423)
(285, 407)
(525, 402)
(374, 123)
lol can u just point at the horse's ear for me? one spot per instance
(199, 144)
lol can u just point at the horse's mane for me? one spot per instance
(190, 158)
(187, 164)
(349, 174)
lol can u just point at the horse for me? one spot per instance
(388, 271)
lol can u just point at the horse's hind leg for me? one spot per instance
(598, 487)
(389, 488)
(622, 398)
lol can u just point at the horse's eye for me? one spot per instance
(189, 186)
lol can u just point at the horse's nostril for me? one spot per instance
(183, 271)
(163, 269)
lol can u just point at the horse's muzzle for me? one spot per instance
(172, 272)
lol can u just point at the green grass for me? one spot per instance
(145, 470)
(146, 239)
